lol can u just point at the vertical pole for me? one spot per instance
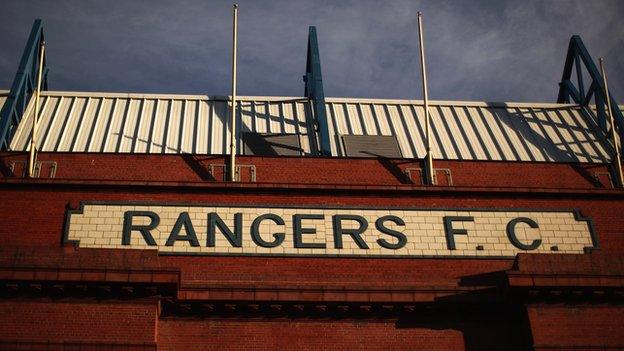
(429, 178)
(617, 162)
(33, 140)
(233, 109)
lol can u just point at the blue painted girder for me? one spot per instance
(577, 54)
(314, 91)
(23, 85)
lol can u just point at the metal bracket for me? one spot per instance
(408, 173)
(37, 171)
(24, 84)
(237, 171)
(447, 172)
(449, 177)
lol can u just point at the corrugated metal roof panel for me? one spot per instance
(137, 123)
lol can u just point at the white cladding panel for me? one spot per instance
(475, 131)
(127, 123)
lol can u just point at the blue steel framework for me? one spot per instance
(24, 85)
(314, 91)
(577, 54)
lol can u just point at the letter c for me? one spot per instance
(511, 233)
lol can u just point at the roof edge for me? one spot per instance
(301, 99)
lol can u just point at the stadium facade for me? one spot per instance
(124, 232)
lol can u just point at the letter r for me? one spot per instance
(128, 227)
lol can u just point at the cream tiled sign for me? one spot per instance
(239, 230)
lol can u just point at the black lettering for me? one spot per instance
(255, 232)
(128, 227)
(298, 231)
(354, 233)
(191, 237)
(402, 239)
(451, 232)
(511, 233)
(234, 237)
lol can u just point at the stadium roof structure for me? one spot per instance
(311, 125)
(138, 123)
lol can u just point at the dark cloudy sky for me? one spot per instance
(476, 50)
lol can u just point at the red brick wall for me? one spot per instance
(506, 184)
(453, 327)
(43, 225)
(80, 322)
(582, 327)
(371, 272)
(180, 334)
(312, 170)
(46, 206)
(45, 209)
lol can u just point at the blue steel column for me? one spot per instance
(23, 85)
(314, 91)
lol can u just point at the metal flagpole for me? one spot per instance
(429, 176)
(33, 140)
(233, 109)
(617, 162)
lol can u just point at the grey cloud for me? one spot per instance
(476, 50)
